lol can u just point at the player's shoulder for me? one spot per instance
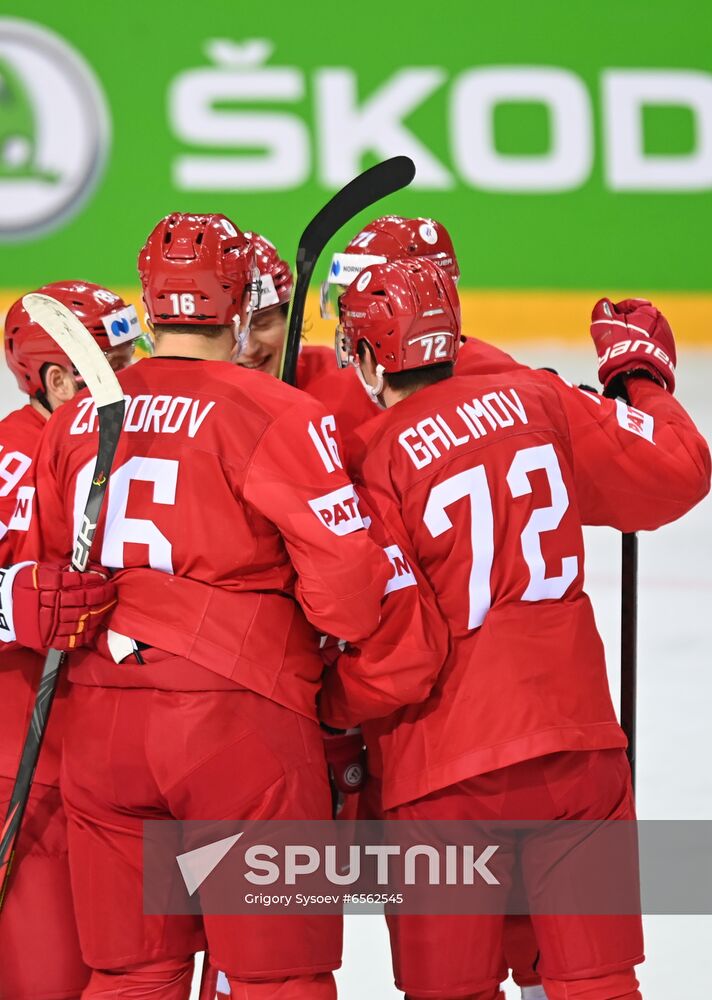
(533, 390)
(376, 439)
(315, 361)
(480, 357)
(537, 390)
(262, 400)
(341, 391)
(21, 429)
(221, 381)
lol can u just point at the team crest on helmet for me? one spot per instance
(428, 233)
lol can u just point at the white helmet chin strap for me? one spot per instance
(240, 333)
(373, 391)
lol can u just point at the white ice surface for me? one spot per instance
(674, 698)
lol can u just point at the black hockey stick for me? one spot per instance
(629, 628)
(208, 980)
(88, 359)
(629, 644)
(366, 189)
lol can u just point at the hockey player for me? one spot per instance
(234, 534)
(495, 477)
(392, 237)
(386, 238)
(342, 394)
(264, 345)
(39, 905)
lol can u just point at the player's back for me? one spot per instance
(482, 468)
(177, 500)
(226, 501)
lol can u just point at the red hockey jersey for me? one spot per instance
(230, 523)
(494, 477)
(20, 668)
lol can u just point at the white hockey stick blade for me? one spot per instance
(78, 344)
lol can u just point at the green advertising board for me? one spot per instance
(566, 146)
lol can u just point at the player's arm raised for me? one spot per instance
(400, 662)
(296, 479)
(639, 465)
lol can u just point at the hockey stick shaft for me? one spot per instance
(360, 193)
(208, 980)
(629, 645)
(96, 371)
(629, 635)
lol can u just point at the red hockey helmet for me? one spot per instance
(198, 269)
(113, 324)
(391, 237)
(275, 274)
(407, 311)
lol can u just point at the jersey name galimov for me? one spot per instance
(433, 436)
(157, 414)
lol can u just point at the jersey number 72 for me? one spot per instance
(473, 483)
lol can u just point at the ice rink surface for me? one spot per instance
(674, 696)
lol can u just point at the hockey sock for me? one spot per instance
(167, 980)
(616, 986)
(322, 987)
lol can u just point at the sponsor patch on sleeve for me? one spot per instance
(403, 575)
(122, 326)
(20, 520)
(338, 511)
(635, 421)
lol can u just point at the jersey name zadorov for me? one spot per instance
(158, 414)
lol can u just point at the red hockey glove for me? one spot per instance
(346, 757)
(633, 336)
(42, 605)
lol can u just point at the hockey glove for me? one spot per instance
(633, 337)
(43, 605)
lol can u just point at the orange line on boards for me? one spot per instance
(516, 314)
